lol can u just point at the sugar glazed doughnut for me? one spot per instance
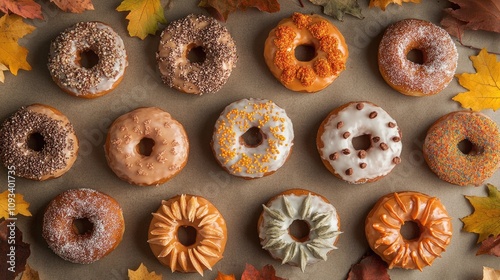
(167, 156)
(188, 211)
(100, 210)
(252, 160)
(183, 35)
(298, 204)
(342, 125)
(439, 53)
(444, 157)
(391, 212)
(65, 54)
(55, 146)
(311, 30)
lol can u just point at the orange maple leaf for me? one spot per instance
(267, 273)
(144, 16)
(142, 273)
(30, 274)
(382, 4)
(73, 6)
(24, 8)
(12, 28)
(222, 276)
(220, 9)
(486, 217)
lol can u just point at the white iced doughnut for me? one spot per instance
(354, 119)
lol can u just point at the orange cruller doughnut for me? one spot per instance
(310, 30)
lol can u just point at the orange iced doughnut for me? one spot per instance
(188, 211)
(444, 157)
(39, 142)
(439, 54)
(311, 30)
(146, 147)
(391, 212)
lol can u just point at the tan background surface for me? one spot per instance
(239, 200)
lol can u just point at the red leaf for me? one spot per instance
(490, 246)
(22, 250)
(23, 8)
(371, 267)
(268, 273)
(472, 15)
(220, 9)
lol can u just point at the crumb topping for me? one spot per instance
(301, 20)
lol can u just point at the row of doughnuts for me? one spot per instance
(252, 138)
(208, 241)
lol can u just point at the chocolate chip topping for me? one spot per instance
(360, 106)
(346, 151)
(333, 156)
(391, 124)
(396, 160)
(362, 154)
(349, 171)
(362, 165)
(396, 139)
(375, 139)
(384, 146)
(340, 125)
(346, 134)
(373, 115)
(14, 150)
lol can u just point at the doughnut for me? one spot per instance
(183, 35)
(65, 59)
(101, 211)
(335, 142)
(444, 158)
(167, 156)
(391, 212)
(313, 209)
(188, 211)
(274, 131)
(310, 30)
(439, 54)
(55, 144)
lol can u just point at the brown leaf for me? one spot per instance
(220, 9)
(30, 274)
(371, 267)
(490, 246)
(74, 6)
(472, 15)
(24, 8)
(267, 273)
(12, 265)
(490, 273)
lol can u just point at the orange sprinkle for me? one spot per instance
(322, 68)
(301, 20)
(319, 29)
(306, 75)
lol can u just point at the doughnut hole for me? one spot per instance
(305, 52)
(299, 230)
(36, 142)
(411, 230)
(362, 142)
(253, 137)
(468, 148)
(415, 56)
(196, 54)
(88, 59)
(145, 146)
(186, 235)
(82, 226)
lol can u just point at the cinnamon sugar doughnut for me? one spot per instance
(188, 211)
(183, 35)
(391, 212)
(444, 158)
(169, 151)
(100, 210)
(64, 59)
(311, 30)
(57, 144)
(439, 52)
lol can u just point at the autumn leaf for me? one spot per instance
(21, 249)
(370, 267)
(382, 4)
(490, 273)
(12, 28)
(20, 206)
(142, 273)
(222, 276)
(2, 76)
(30, 274)
(490, 246)
(73, 6)
(267, 273)
(486, 217)
(337, 8)
(144, 16)
(25, 8)
(483, 86)
(220, 9)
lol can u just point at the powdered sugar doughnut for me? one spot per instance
(100, 210)
(439, 57)
(334, 142)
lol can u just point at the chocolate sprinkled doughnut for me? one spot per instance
(179, 38)
(75, 79)
(59, 148)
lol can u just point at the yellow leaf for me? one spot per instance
(2, 68)
(30, 274)
(483, 86)
(486, 217)
(13, 204)
(142, 273)
(222, 276)
(144, 16)
(382, 4)
(490, 273)
(12, 28)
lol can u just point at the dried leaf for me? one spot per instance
(370, 267)
(382, 4)
(490, 273)
(30, 274)
(12, 204)
(2, 76)
(144, 16)
(25, 8)
(73, 6)
(337, 8)
(21, 250)
(267, 273)
(472, 15)
(142, 273)
(490, 246)
(220, 9)
(483, 86)
(222, 276)
(12, 28)
(486, 217)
